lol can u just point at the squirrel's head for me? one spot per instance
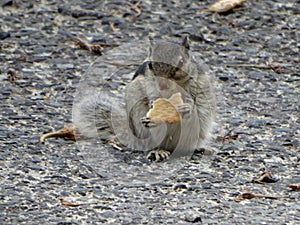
(170, 60)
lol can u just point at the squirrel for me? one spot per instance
(171, 68)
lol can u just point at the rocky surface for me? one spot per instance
(253, 52)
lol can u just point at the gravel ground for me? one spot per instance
(253, 52)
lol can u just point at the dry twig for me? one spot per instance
(112, 26)
(115, 145)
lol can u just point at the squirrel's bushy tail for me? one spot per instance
(92, 116)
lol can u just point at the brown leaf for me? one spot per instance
(47, 96)
(96, 48)
(12, 75)
(230, 136)
(265, 177)
(275, 67)
(71, 204)
(67, 132)
(294, 187)
(67, 203)
(247, 195)
(250, 195)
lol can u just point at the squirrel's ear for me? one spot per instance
(186, 42)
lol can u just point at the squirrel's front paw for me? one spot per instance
(158, 155)
(184, 108)
(147, 122)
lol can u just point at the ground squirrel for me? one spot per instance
(169, 69)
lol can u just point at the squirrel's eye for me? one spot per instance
(180, 63)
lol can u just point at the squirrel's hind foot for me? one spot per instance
(158, 155)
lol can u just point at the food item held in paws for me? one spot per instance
(164, 110)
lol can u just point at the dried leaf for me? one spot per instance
(67, 132)
(230, 136)
(12, 75)
(224, 5)
(265, 177)
(294, 187)
(67, 203)
(47, 96)
(96, 48)
(247, 195)
(275, 67)
(71, 204)
(250, 195)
